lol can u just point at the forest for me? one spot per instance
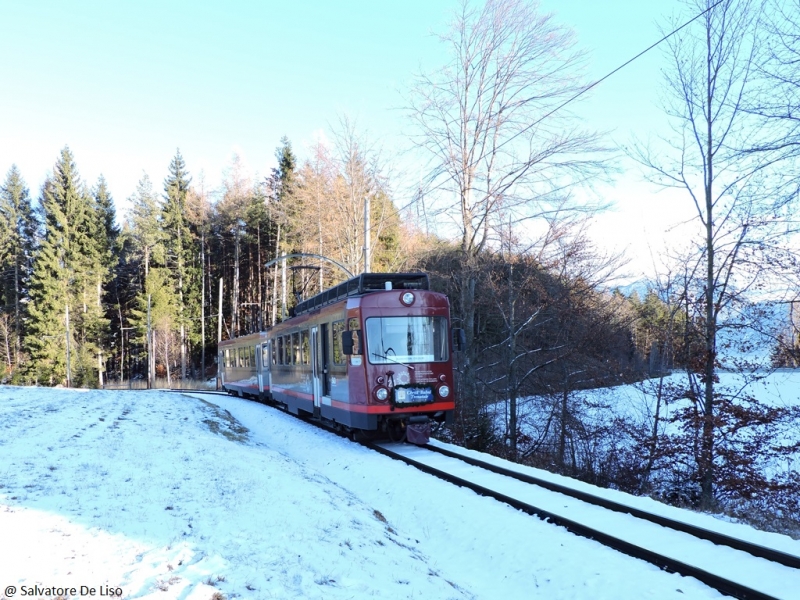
(81, 285)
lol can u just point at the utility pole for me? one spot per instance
(69, 370)
(150, 349)
(283, 292)
(219, 333)
(219, 314)
(203, 304)
(367, 249)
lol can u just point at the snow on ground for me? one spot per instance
(167, 496)
(636, 402)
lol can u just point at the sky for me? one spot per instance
(125, 85)
(155, 494)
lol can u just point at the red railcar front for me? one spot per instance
(400, 362)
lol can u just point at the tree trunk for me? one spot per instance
(235, 328)
(707, 446)
(203, 305)
(275, 278)
(17, 313)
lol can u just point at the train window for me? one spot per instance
(287, 349)
(280, 351)
(265, 355)
(353, 325)
(274, 345)
(296, 348)
(407, 339)
(304, 347)
(338, 328)
(227, 359)
(252, 356)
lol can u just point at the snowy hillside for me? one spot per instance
(167, 496)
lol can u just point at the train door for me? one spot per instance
(325, 360)
(316, 370)
(259, 367)
(265, 375)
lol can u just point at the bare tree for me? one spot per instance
(334, 189)
(480, 121)
(778, 101)
(710, 83)
(236, 197)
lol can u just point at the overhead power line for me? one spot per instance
(619, 68)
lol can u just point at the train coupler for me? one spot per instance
(418, 430)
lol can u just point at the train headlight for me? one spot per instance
(382, 394)
(444, 391)
(407, 298)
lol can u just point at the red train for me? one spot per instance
(374, 354)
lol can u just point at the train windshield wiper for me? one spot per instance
(392, 359)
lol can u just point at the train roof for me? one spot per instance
(364, 284)
(250, 337)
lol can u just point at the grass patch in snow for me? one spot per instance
(223, 423)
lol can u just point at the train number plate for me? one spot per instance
(413, 395)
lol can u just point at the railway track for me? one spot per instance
(732, 566)
(191, 391)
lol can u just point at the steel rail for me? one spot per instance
(788, 560)
(190, 391)
(671, 565)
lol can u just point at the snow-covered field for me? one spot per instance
(160, 495)
(598, 408)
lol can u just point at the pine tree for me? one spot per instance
(105, 257)
(281, 186)
(145, 227)
(160, 292)
(17, 241)
(180, 248)
(104, 207)
(66, 286)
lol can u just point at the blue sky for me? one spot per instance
(126, 83)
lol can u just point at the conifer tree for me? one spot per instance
(180, 250)
(160, 292)
(145, 228)
(281, 185)
(104, 256)
(17, 239)
(53, 274)
(104, 206)
(66, 285)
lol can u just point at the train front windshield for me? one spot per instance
(406, 339)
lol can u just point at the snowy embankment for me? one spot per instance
(169, 496)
